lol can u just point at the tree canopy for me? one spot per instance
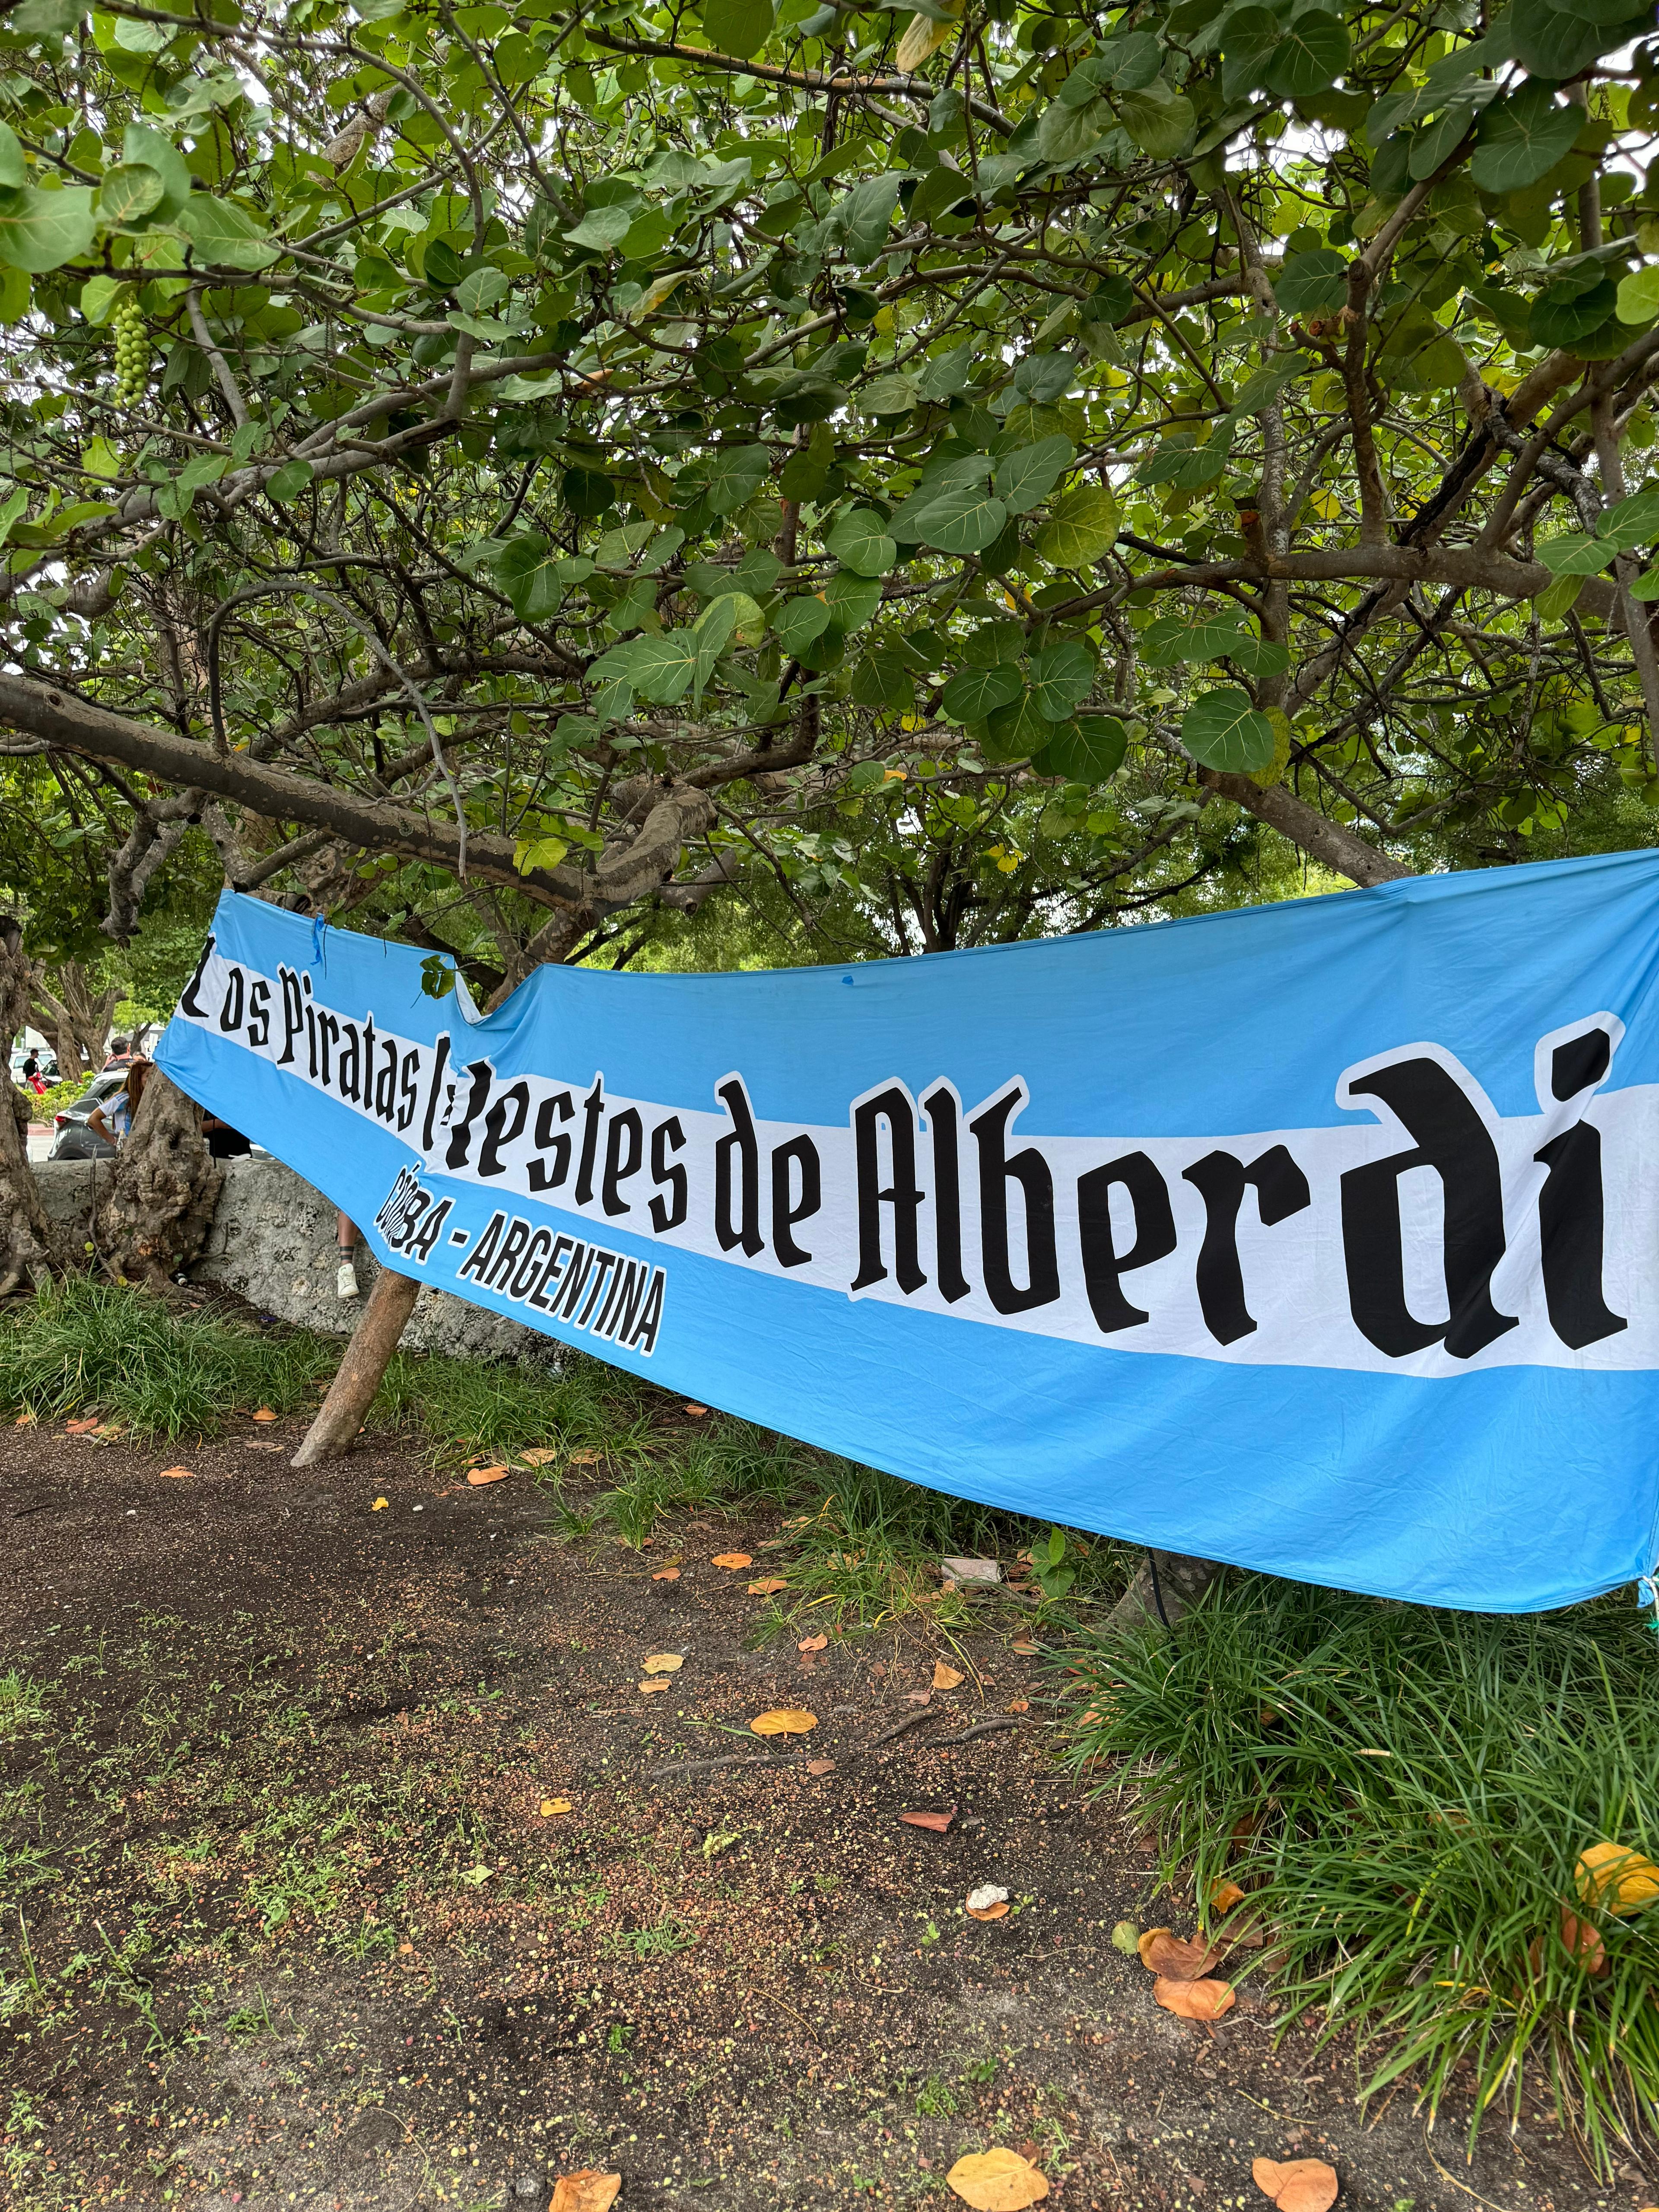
(944, 471)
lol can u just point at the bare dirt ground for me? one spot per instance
(283, 1924)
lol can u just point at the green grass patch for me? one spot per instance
(1422, 1784)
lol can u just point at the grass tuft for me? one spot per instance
(1403, 1795)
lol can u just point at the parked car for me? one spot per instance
(73, 1139)
(47, 1060)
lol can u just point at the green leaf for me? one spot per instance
(738, 27)
(973, 694)
(1081, 529)
(13, 170)
(1632, 522)
(1160, 122)
(1223, 730)
(736, 473)
(1089, 750)
(290, 481)
(1557, 599)
(883, 679)
(1026, 477)
(859, 541)
(225, 235)
(887, 395)
(1063, 677)
(862, 216)
(129, 191)
(1015, 733)
(98, 295)
(1313, 284)
(602, 227)
(663, 669)
(1550, 43)
(1522, 138)
(1638, 296)
(146, 146)
(851, 599)
(1574, 555)
(962, 521)
(40, 231)
(712, 631)
(1646, 587)
(798, 622)
(1066, 133)
(1310, 53)
(525, 569)
(1566, 314)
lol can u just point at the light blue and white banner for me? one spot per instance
(1322, 1237)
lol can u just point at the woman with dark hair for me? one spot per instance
(117, 1127)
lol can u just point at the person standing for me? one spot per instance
(115, 1127)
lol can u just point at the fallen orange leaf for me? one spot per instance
(695, 1411)
(938, 1822)
(667, 1574)
(1619, 1880)
(1163, 1953)
(820, 1765)
(1584, 1941)
(264, 1413)
(538, 1455)
(478, 1475)
(584, 1458)
(789, 1720)
(1300, 2185)
(188, 1473)
(812, 1643)
(1025, 1647)
(1017, 1705)
(1202, 2000)
(585, 2192)
(732, 1559)
(986, 1903)
(552, 1805)
(767, 1585)
(657, 1682)
(80, 1428)
(946, 1678)
(381, 1504)
(1224, 1895)
(25, 1420)
(997, 2181)
(662, 1662)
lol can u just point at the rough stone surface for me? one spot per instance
(273, 1241)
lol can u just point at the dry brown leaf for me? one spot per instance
(81, 1428)
(695, 1411)
(820, 1765)
(479, 1475)
(767, 1586)
(1194, 2000)
(657, 1682)
(667, 1574)
(997, 2180)
(1584, 1941)
(946, 1678)
(263, 1413)
(585, 2192)
(184, 1473)
(1224, 1895)
(939, 1822)
(25, 1420)
(1025, 1647)
(1619, 1880)
(812, 1643)
(918, 1697)
(732, 1559)
(1300, 2185)
(662, 1662)
(986, 1903)
(1163, 1953)
(539, 1454)
(1017, 1705)
(789, 1720)
(552, 1805)
(584, 1458)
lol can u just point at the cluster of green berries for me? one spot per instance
(131, 352)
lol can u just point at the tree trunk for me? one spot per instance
(32, 1248)
(74, 1017)
(351, 1394)
(160, 1201)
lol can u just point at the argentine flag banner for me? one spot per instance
(1321, 1237)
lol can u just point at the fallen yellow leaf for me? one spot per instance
(538, 1455)
(1198, 2000)
(732, 1559)
(767, 1586)
(662, 1662)
(790, 1721)
(1299, 2184)
(381, 1504)
(585, 2192)
(584, 1458)
(1620, 1880)
(657, 1682)
(552, 1805)
(946, 1678)
(996, 2180)
(264, 1413)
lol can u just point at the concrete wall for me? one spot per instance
(273, 1241)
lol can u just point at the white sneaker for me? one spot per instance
(345, 1283)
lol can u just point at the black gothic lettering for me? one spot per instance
(800, 1154)
(625, 1150)
(1572, 1216)
(593, 1108)
(1453, 1140)
(258, 1014)
(503, 1124)
(668, 1136)
(740, 1148)
(540, 1175)
(189, 1003)
(460, 1130)
(1030, 1171)
(230, 1014)
(941, 1107)
(1220, 1181)
(1104, 1265)
(441, 1059)
(893, 1106)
